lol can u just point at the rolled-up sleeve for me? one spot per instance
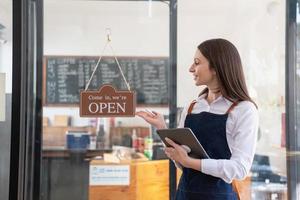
(244, 136)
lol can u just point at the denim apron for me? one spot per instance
(210, 130)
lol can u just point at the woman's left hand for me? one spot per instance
(177, 153)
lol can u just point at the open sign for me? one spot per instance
(107, 102)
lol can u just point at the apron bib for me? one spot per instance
(210, 130)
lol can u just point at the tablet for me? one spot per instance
(184, 136)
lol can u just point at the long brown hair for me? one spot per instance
(224, 58)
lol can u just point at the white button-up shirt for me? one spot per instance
(241, 134)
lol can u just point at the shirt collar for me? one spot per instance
(220, 98)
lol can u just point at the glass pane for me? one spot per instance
(257, 29)
(5, 93)
(96, 157)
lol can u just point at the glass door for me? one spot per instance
(104, 157)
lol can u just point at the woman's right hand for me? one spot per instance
(154, 118)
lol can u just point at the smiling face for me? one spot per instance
(203, 74)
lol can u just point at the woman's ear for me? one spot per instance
(213, 71)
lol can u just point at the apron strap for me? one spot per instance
(191, 107)
(232, 107)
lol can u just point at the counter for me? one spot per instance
(148, 180)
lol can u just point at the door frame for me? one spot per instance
(292, 138)
(26, 126)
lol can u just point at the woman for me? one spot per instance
(224, 119)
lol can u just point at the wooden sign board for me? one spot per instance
(107, 102)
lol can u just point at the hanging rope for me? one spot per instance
(108, 33)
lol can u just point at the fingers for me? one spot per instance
(169, 151)
(154, 120)
(173, 144)
(140, 113)
(144, 114)
(169, 155)
(186, 148)
(153, 113)
(156, 113)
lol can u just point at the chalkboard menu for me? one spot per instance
(66, 76)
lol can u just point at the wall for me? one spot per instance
(79, 28)
(6, 64)
(6, 49)
(257, 28)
